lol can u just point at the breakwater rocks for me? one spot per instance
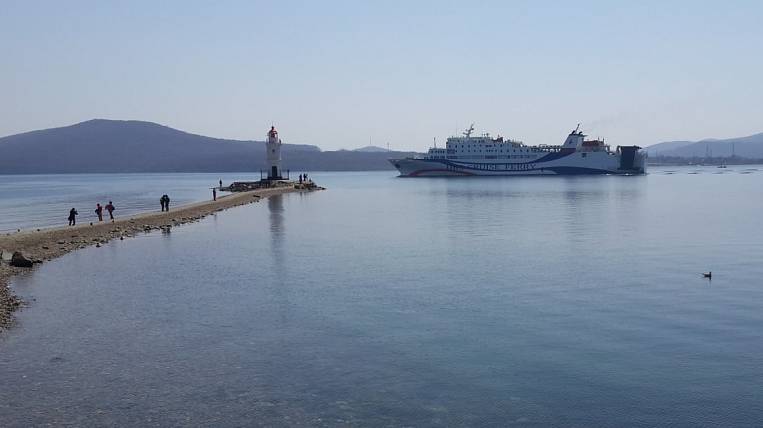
(19, 252)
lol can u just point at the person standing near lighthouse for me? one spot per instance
(274, 155)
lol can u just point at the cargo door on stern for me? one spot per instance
(627, 156)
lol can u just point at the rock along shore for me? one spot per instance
(47, 244)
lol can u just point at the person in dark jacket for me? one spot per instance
(99, 211)
(110, 208)
(73, 217)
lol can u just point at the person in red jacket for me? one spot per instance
(99, 211)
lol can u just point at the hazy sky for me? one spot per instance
(337, 74)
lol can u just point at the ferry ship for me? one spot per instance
(484, 155)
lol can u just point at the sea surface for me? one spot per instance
(384, 301)
(40, 201)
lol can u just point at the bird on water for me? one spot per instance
(708, 275)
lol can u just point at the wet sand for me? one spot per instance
(47, 244)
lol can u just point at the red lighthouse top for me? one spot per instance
(272, 132)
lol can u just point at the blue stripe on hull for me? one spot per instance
(531, 170)
(442, 169)
(577, 170)
(554, 156)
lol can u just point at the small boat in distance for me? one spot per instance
(469, 155)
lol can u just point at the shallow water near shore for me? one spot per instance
(383, 301)
(35, 201)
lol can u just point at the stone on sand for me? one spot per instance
(18, 260)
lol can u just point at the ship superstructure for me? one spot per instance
(485, 155)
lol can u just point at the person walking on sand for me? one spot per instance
(165, 202)
(110, 208)
(73, 217)
(214, 194)
(99, 211)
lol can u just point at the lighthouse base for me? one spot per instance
(274, 175)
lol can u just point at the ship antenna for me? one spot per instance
(468, 132)
(577, 128)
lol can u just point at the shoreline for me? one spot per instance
(51, 243)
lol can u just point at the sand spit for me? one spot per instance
(47, 244)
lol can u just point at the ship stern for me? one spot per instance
(632, 160)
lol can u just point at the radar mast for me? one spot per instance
(468, 132)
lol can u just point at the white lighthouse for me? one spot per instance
(274, 155)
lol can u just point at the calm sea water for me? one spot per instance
(574, 301)
(33, 201)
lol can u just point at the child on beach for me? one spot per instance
(99, 211)
(110, 208)
(73, 217)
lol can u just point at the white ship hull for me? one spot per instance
(559, 163)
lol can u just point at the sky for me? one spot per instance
(346, 74)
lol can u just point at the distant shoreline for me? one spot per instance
(48, 244)
(387, 167)
(702, 162)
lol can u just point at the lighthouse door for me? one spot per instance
(274, 172)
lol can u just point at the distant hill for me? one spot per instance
(746, 147)
(133, 146)
(660, 148)
(371, 149)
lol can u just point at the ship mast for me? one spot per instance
(468, 132)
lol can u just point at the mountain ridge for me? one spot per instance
(750, 146)
(371, 149)
(105, 145)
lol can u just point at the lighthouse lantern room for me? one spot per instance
(274, 155)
